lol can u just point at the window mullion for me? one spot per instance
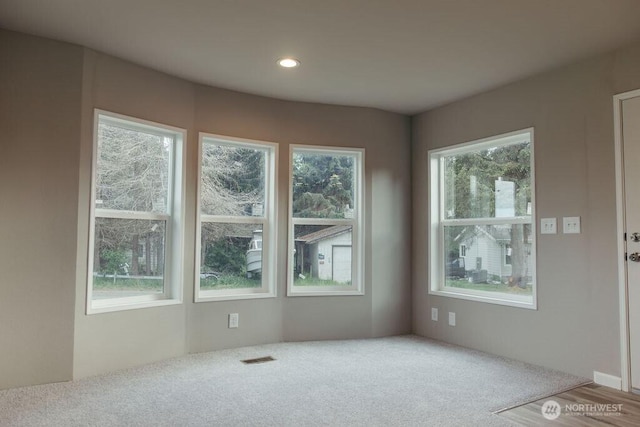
(486, 221)
(324, 221)
(233, 219)
(115, 214)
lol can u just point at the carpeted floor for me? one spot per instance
(399, 381)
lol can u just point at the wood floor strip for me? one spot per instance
(544, 397)
(530, 414)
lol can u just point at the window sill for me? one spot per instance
(208, 296)
(489, 298)
(319, 292)
(121, 304)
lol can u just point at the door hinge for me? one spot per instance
(625, 237)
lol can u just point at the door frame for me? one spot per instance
(623, 286)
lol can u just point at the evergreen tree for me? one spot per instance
(471, 193)
(322, 185)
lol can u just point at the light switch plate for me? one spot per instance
(548, 226)
(571, 225)
(234, 319)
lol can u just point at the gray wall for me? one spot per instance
(576, 326)
(101, 344)
(40, 85)
(385, 137)
(109, 341)
(48, 93)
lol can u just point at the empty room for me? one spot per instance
(338, 213)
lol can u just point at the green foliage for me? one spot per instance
(227, 255)
(492, 287)
(112, 261)
(314, 281)
(250, 176)
(229, 281)
(128, 284)
(322, 185)
(470, 180)
(470, 192)
(315, 205)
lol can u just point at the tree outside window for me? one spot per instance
(137, 183)
(325, 235)
(482, 203)
(236, 219)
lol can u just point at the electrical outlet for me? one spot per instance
(548, 226)
(452, 318)
(571, 225)
(434, 314)
(234, 320)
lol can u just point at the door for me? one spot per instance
(630, 135)
(341, 264)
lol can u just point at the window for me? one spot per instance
(236, 228)
(482, 225)
(135, 242)
(325, 221)
(507, 254)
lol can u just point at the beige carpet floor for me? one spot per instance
(395, 381)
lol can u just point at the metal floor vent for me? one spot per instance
(258, 360)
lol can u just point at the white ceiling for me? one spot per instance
(399, 55)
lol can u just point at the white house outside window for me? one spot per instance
(136, 235)
(326, 221)
(482, 224)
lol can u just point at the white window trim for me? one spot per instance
(436, 224)
(268, 221)
(174, 231)
(357, 222)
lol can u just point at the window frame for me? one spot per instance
(357, 286)
(435, 240)
(174, 218)
(268, 221)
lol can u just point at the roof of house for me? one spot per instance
(468, 233)
(325, 233)
(499, 233)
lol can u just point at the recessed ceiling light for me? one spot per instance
(288, 62)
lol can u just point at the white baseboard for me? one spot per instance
(607, 380)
